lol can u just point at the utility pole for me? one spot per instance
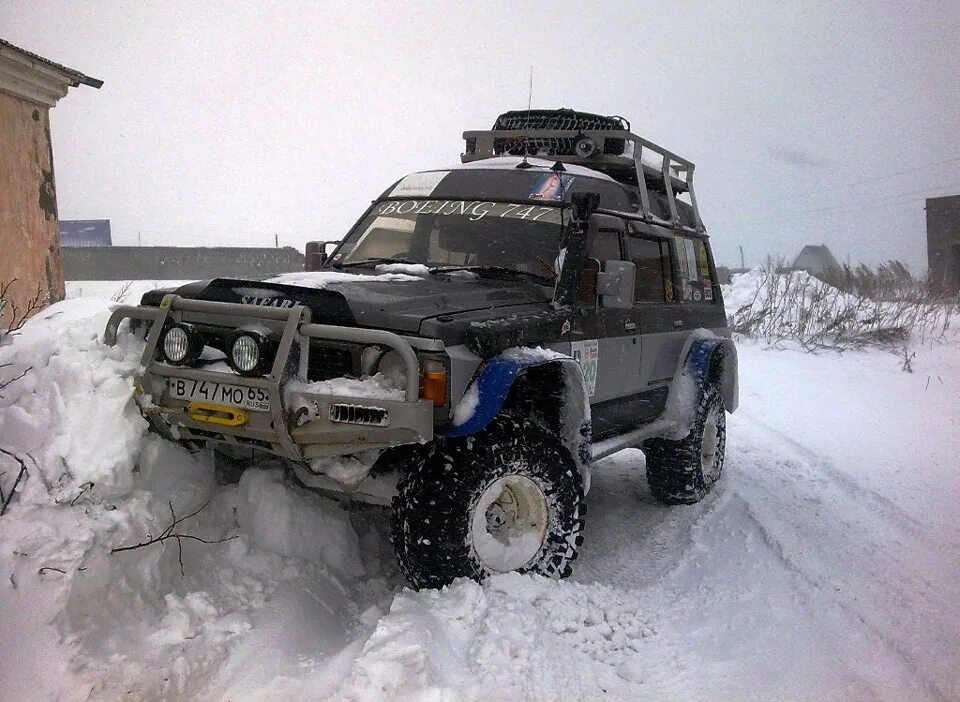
(742, 264)
(276, 241)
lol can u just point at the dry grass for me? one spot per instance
(884, 307)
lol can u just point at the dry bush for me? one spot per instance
(13, 318)
(884, 307)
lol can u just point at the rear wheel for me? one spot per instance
(683, 472)
(508, 499)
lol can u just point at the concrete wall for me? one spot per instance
(29, 238)
(176, 263)
(943, 242)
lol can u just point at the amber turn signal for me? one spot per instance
(434, 387)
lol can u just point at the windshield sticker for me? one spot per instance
(473, 210)
(551, 186)
(419, 184)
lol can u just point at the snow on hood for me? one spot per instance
(321, 279)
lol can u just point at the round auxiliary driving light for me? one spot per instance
(176, 344)
(245, 353)
(585, 147)
(392, 366)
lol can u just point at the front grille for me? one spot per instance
(328, 362)
(558, 119)
(359, 414)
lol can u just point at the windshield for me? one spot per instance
(440, 233)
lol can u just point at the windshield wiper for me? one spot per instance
(499, 272)
(376, 260)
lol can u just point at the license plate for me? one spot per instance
(220, 393)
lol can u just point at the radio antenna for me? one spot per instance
(526, 141)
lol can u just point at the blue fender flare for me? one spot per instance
(697, 362)
(492, 385)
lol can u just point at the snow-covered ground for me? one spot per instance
(826, 564)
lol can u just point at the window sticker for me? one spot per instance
(551, 186)
(587, 354)
(419, 184)
(690, 249)
(473, 210)
(702, 265)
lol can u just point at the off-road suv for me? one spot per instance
(479, 337)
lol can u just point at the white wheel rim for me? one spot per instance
(709, 445)
(509, 523)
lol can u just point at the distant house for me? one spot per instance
(29, 237)
(85, 232)
(943, 242)
(816, 260)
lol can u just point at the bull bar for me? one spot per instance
(320, 425)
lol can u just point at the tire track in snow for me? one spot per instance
(874, 562)
(854, 489)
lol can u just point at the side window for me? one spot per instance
(654, 281)
(605, 246)
(694, 267)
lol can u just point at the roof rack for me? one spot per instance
(604, 144)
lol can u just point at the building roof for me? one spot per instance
(943, 202)
(817, 258)
(35, 78)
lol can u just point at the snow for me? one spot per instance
(825, 565)
(510, 163)
(321, 279)
(127, 292)
(467, 405)
(417, 269)
(373, 387)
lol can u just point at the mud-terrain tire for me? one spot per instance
(456, 510)
(684, 471)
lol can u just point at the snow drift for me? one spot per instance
(824, 565)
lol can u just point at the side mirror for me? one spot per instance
(615, 285)
(316, 254)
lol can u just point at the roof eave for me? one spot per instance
(37, 79)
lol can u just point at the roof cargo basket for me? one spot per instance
(604, 144)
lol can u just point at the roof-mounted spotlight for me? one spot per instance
(585, 147)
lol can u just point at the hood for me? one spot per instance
(436, 306)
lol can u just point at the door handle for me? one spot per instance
(677, 323)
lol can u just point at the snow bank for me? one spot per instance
(155, 622)
(295, 523)
(516, 637)
(127, 292)
(796, 306)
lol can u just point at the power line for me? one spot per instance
(888, 175)
(854, 206)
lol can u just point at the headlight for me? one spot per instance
(249, 353)
(179, 346)
(391, 365)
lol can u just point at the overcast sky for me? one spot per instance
(217, 124)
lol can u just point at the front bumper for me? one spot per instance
(300, 424)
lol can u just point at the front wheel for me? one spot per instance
(508, 499)
(683, 472)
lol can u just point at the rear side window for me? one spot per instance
(652, 259)
(694, 268)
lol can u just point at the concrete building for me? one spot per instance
(943, 242)
(29, 238)
(816, 260)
